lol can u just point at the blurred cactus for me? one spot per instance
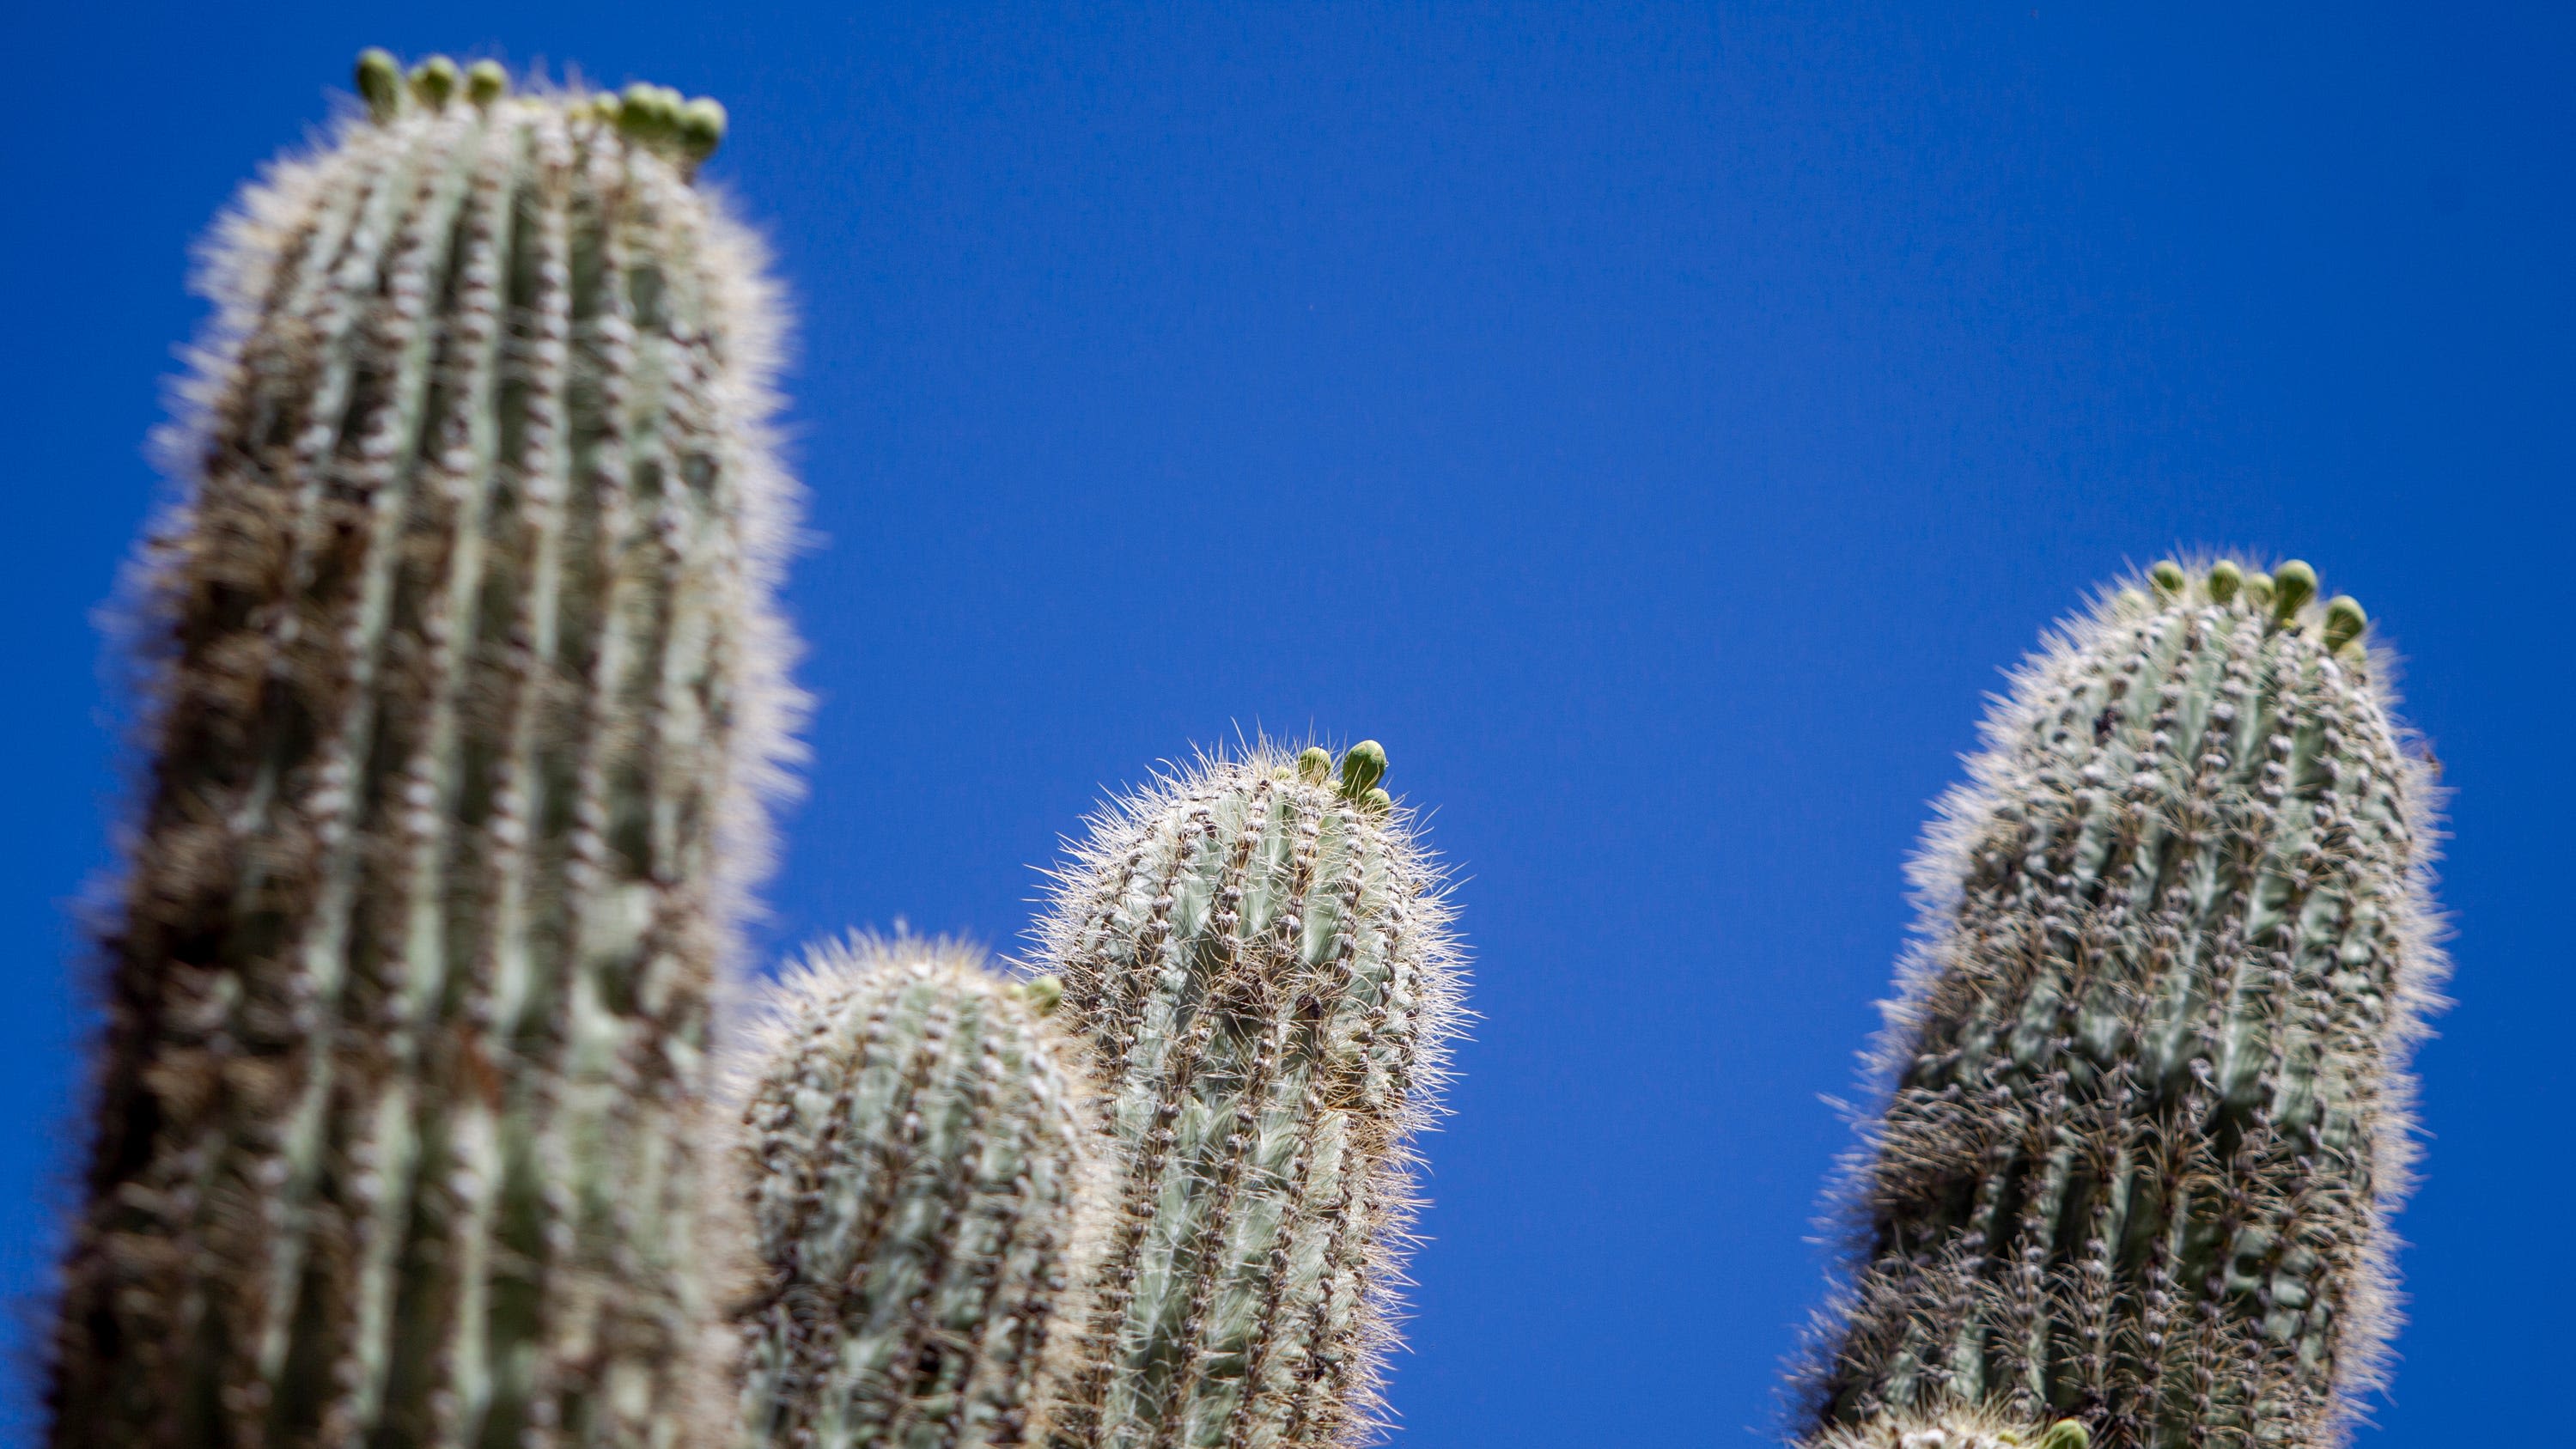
(2147, 1103)
(916, 1171)
(1958, 1426)
(468, 687)
(1259, 960)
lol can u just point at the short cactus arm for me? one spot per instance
(917, 1170)
(1259, 960)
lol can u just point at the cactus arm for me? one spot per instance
(1259, 963)
(470, 684)
(918, 1168)
(2146, 1093)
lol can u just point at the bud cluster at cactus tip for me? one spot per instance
(654, 116)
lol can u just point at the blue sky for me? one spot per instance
(1657, 425)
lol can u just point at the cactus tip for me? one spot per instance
(1314, 764)
(486, 82)
(2168, 578)
(2293, 584)
(701, 127)
(433, 81)
(2225, 578)
(1363, 765)
(2344, 621)
(380, 82)
(2065, 1434)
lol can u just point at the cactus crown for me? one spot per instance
(686, 131)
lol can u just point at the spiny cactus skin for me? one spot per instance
(917, 1170)
(1955, 1427)
(468, 687)
(2148, 1103)
(1260, 962)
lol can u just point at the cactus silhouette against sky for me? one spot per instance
(468, 690)
(2147, 1107)
(1258, 957)
(468, 687)
(917, 1172)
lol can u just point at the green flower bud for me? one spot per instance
(1363, 766)
(2065, 1434)
(380, 83)
(2344, 621)
(2293, 584)
(2258, 589)
(2225, 578)
(701, 128)
(2168, 578)
(433, 81)
(1043, 993)
(1314, 765)
(1376, 801)
(2133, 601)
(648, 113)
(486, 82)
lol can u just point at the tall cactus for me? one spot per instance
(2147, 1105)
(468, 687)
(917, 1170)
(1260, 962)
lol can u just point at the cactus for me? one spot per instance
(1956, 1426)
(2146, 1096)
(917, 1171)
(467, 690)
(1260, 962)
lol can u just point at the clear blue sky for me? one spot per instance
(1657, 425)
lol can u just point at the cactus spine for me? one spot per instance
(2147, 1103)
(917, 1168)
(1260, 963)
(468, 687)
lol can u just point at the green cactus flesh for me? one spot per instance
(1262, 969)
(2147, 1101)
(915, 1171)
(469, 690)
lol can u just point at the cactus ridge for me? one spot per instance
(2145, 1099)
(467, 697)
(1262, 968)
(917, 1172)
